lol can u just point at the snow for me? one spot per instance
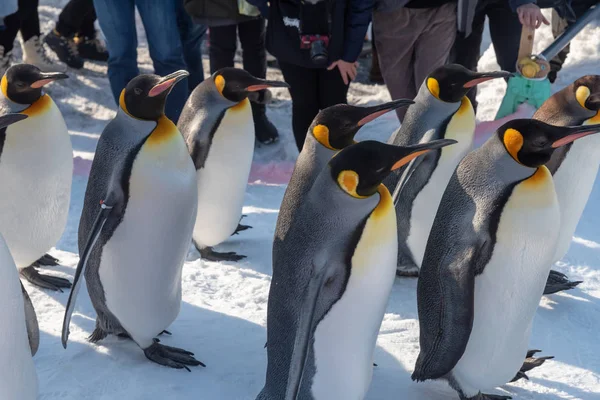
(224, 308)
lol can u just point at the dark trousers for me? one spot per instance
(77, 17)
(26, 20)
(505, 30)
(312, 90)
(223, 44)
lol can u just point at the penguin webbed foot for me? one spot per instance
(47, 261)
(44, 281)
(171, 356)
(99, 335)
(207, 253)
(557, 282)
(241, 228)
(530, 363)
(483, 396)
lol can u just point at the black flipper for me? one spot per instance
(530, 363)
(207, 253)
(558, 282)
(33, 330)
(171, 356)
(44, 281)
(91, 241)
(47, 261)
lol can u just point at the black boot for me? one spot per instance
(265, 131)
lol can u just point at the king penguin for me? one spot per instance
(332, 130)
(331, 285)
(574, 167)
(441, 110)
(137, 221)
(218, 128)
(36, 170)
(487, 260)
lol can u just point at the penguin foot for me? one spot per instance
(44, 281)
(99, 335)
(165, 333)
(530, 363)
(558, 282)
(171, 356)
(209, 254)
(241, 228)
(411, 271)
(47, 260)
(482, 396)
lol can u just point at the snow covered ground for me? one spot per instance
(223, 314)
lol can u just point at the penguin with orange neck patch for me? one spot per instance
(36, 171)
(137, 221)
(441, 111)
(488, 258)
(332, 281)
(574, 167)
(218, 128)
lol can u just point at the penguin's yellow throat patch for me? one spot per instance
(164, 132)
(348, 181)
(513, 142)
(41, 106)
(434, 87)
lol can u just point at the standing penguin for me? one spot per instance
(330, 286)
(574, 167)
(217, 125)
(441, 110)
(332, 130)
(137, 221)
(487, 260)
(36, 170)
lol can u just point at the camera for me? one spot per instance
(318, 48)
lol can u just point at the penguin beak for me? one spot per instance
(570, 134)
(378, 111)
(10, 119)
(304, 332)
(167, 83)
(409, 153)
(46, 78)
(261, 84)
(486, 76)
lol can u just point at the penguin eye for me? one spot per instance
(137, 91)
(20, 84)
(380, 170)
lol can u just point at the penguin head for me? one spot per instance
(531, 142)
(359, 169)
(23, 83)
(145, 96)
(451, 82)
(587, 92)
(235, 84)
(10, 119)
(334, 127)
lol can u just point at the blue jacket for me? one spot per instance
(350, 21)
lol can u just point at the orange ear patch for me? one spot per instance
(513, 141)
(321, 133)
(581, 94)
(220, 83)
(348, 181)
(434, 87)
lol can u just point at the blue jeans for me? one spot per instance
(173, 40)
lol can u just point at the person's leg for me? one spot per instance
(332, 89)
(191, 37)
(505, 30)
(395, 35)
(558, 26)
(305, 98)
(223, 43)
(29, 18)
(432, 48)
(12, 23)
(375, 71)
(166, 50)
(73, 15)
(117, 21)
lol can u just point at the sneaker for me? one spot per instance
(35, 54)
(65, 49)
(5, 60)
(91, 48)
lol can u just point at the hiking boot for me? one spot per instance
(35, 54)
(264, 130)
(5, 60)
(65, 49)
(91, 48)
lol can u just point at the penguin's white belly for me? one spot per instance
(223, 180)
(508, 291)
(345, 338)
(141, 264)
(428, 200)
(18, 378)
(574, 181)
(36, 169)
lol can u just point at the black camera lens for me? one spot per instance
(318, 53)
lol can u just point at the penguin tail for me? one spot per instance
(557, 282)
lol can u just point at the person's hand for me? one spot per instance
(347, 70)
(531, 16)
